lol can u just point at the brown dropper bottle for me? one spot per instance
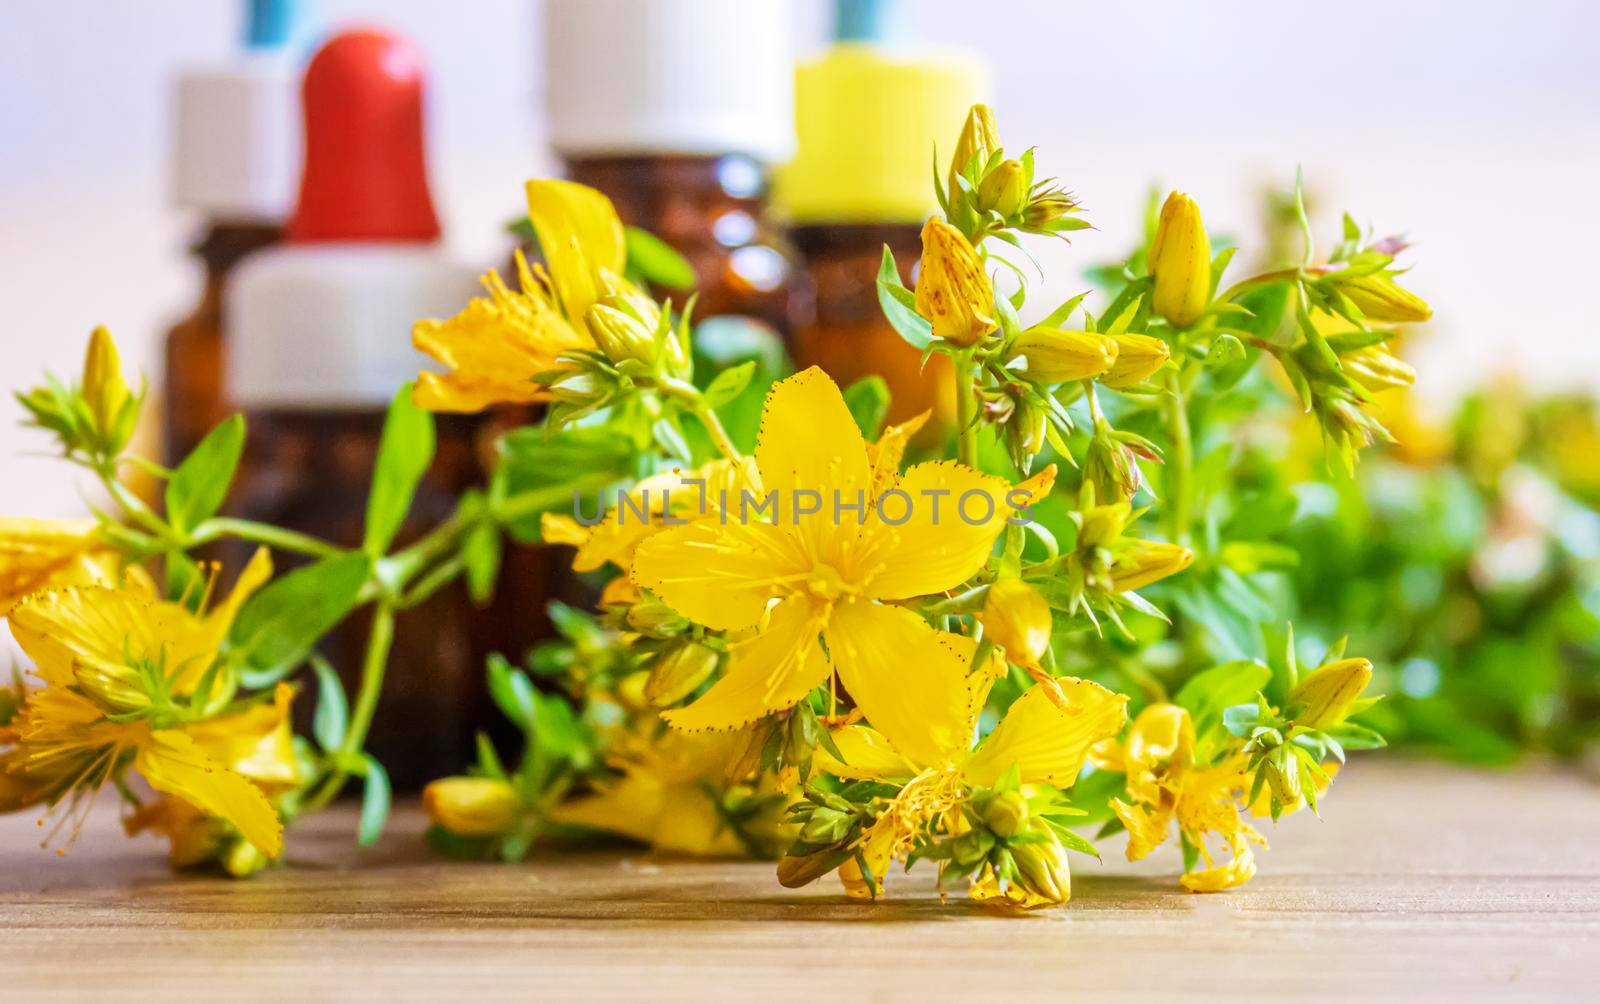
(320, 343)
(675, 110)
(866, 123)
(235, 154)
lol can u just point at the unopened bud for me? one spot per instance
(472, 806)
(1017, 619)
(677, 674)
(1006, 813)
(1004, 190)
(619, 335)
(1057, 356)
(1138, 356)
(953, 292)
(1380, 298)
(1111, 467)
(979, 138)
(1043, 869)
(576, 388)
(1142, 562)
(1180, 261)
(656, 619)
(104, 389)
(1377, 369)
(1329, 691)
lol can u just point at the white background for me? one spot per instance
(1473, 126)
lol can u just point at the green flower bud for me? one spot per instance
(677, 674)
(1043, 870)
(1004, 190)
(1006, 813)
(656, 619)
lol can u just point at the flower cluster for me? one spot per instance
(809, 642)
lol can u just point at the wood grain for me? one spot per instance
(1423, 881)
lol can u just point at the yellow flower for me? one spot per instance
(665, 797)
(1138, 357)
(979, 138)
(38, 554)
(496, 346)
(258, 744)
(1056, 356)
(1380, 298)
(1180, 262)
(1164, 782)
(103, 652)
(472, 806)
(615, 537)
(1045, 738)
(1328, 692)
(826, 566)
(953, 291)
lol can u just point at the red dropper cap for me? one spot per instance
(366, 175)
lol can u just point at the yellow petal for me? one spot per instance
(867, 756)
(767, 672)
(810, 444)
(494, 347)
(1044, 740)
(909, 679)
(951, 514)
(40, 554)
(257, 743)
(1146, 827)
(93, 633)
(716, 575)
(1239, 870)
(579, 233)
(1161, 738)
(173, 763)
(890, 449)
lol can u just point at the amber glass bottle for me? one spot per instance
(839, 325)
(713, 211)
(859, 181)
(311, 469)
(194, 367)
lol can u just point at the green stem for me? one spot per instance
(262, 533)
(1179, 463)
(966, 410)
(376, 660)
(719, 433)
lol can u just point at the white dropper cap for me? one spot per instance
(236, 148)
(698, 77)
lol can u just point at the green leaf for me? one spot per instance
(730, 383)
(899, 305)
(404, 454)
(511, 691)
(375, 798)
(1210, 692)
(332, 717)
(1062, 315)
(481, 551)
(531, 459)
(279, 624)
(198, 486)
(868, 401)
(655, 261)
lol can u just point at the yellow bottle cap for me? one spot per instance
(866, 124)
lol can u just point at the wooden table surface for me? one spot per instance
(1422, 881)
